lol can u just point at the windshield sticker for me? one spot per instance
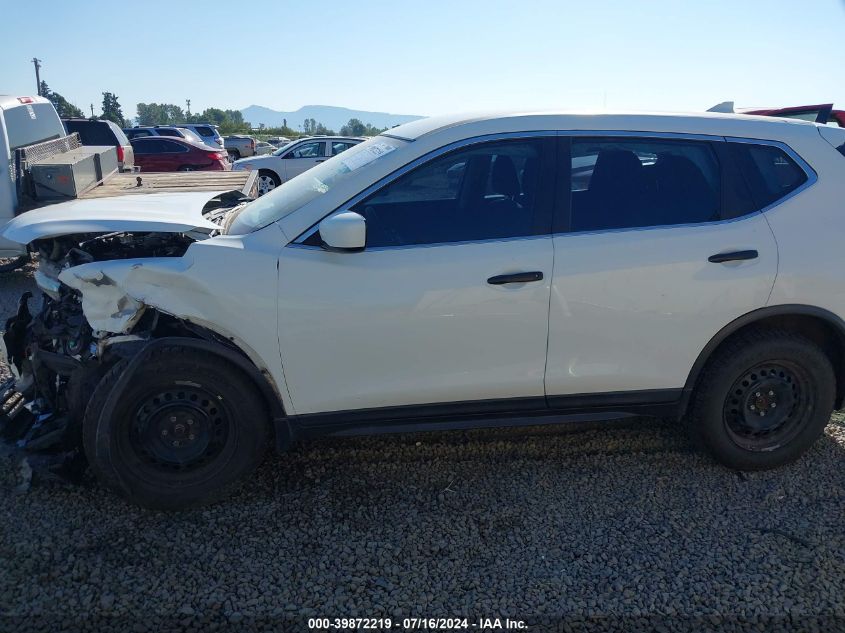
(31, 111)
(365, 155)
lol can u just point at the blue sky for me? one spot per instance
(431, 56)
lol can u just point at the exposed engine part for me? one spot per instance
(56, 357)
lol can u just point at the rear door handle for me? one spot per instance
(515, 278)
(735, 256)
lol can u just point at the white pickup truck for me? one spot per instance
(24, 121)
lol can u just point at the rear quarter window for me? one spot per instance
(771, 174)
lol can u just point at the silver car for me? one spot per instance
(294, 158)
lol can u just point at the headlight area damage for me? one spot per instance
(98, 307)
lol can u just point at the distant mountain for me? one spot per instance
(330, 116)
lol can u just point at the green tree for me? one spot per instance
(65, 109)
(356, 128)
(111, 109)
(353, 128)
(312, 126)
(160, 114)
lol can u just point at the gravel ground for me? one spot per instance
(620, 527)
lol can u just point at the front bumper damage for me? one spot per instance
(31, 429)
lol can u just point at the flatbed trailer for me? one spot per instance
(174, 182)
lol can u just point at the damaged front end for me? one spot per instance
(57, 356)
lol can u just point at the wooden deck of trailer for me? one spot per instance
(174, 182)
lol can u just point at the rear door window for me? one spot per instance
(340, 146)
(146, 146)
(315, 149)
(169, 147)
(621, 183)
(771, 174)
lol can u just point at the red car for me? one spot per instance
(165, 153)
(818, 113)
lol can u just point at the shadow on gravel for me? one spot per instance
(606, 523)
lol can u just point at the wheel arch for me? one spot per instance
(272, 171)
(821, 326)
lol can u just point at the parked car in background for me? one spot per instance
(162, 153)
(279, 141)
(208, 132)
(24, 121)
(294, 158)
(823, 113)
(239, 145)
(98, 132)
(689, 272)
(168, 130)
(262, 148)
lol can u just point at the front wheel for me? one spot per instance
(187, 426)
(267, 181)
(763, 399)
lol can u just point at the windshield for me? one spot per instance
(283, 148)
(311, 184)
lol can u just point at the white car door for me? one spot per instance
(430, 312)
(661, 251)
(303, 157)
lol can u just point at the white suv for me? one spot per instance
(450, 273)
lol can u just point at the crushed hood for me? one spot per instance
(154, 212)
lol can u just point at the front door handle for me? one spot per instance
(735, 256)
(515, 278)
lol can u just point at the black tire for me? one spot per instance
(732, 413)
(234, 154)
(9, 264)
(187, 426)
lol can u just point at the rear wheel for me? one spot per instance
(234, 154)
(267, 181)
(186, 427)
(763, 400)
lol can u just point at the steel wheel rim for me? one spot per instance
(767, 406)
(180, 429)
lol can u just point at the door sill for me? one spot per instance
(486, 414)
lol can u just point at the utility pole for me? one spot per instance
(92, 110)
(37, 63)
(188, 104)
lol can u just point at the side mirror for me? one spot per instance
(344, 233)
